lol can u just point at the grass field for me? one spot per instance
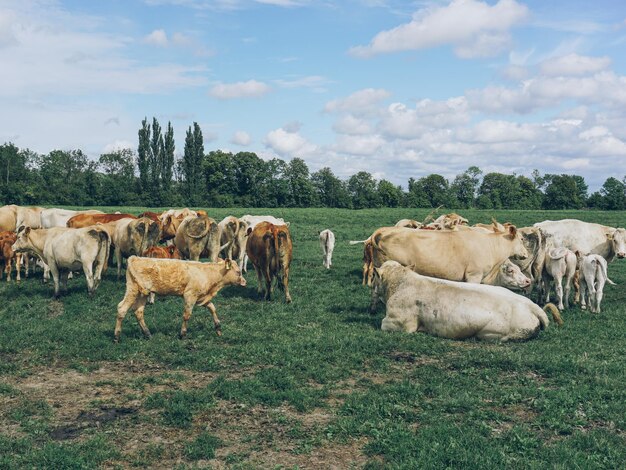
(306, 385)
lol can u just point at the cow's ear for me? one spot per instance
(249, 231)
(609, 236)
(26, 231)
(229, 264)
(288, 224)
(512, 231)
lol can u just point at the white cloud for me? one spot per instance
(574, 64)
(362, 145)
(241, 138)
(314, 82)
(359, 103)
(157, 38)
(7, 35)
(288, 144)
(249, 89)
(474, 28)
(352, 126)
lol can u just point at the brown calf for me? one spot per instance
(166, 252)
(269, 248)
(197, 283)
(8, 255)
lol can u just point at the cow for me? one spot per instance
(198, 236)
(270, 249)
(133, 237)
(229, 231)
(408, 223)
(167, 252)
(8, 218)
(559, 263)
(454, 255)
(59, 217)
(368, 260)
(327, 242)
(251, 221)
(150, 215)
(64, 250)
(455, 310)
(85, 220)
(447, 222)
(197, 283)
(586, 237)
(593, 276)
(30, 216)
(7, 239)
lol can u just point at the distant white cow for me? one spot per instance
(455, 310)
(593, 276)
(59, 217)
(559, 263)
(327, 242)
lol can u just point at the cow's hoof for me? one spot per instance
(116, 340)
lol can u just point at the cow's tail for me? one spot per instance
(603, 271)
(550, 307)
(356, 242)
(102, 258)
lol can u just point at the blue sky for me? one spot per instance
(397, 88)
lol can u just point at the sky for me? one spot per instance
(397, 88)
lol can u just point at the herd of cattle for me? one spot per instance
(428, 276)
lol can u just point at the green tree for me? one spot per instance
(251, 176)
(278, 186)
(300, 187)
(465, 185)
(613, 195)
(330, 190)
(563, 192)
(192, 165)
(499, 191)
(19, 180)
(362, 190)
(64, 173)
(167, 164)
(436, 189)
(143, 157)
(220, 181)
(390, 195)
(417, 196)
(529, 195)
(118, 178)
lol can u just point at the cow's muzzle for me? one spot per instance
(242, 282)
(621, 255)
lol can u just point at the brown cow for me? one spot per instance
(85, 220)
(8, 255)
(197, 283)
(133, 237)
(270, 250)
(166, 252)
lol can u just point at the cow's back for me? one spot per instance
(577, 235)
(8, 217)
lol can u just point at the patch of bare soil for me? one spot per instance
(110, 399)
(55, 309)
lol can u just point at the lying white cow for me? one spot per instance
(327, 242)
(455, 310)
(593, 276)
(67, 249)
(559, 263)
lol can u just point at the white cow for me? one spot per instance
(593, 276)
(67, 249)
(455, 310)
(59, 217)
(559, 263)
(586, 237)
(327, 242)
(251, 221)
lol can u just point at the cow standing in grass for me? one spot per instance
(197, 283)
(327, 242)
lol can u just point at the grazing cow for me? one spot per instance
(166, 252)
(85, 220)
(59, 217)
(198, 236)
(408, 223)
(64, 250)
(447, 222)
(586, 237)
(327, 242)
(455, 310)
(270, 249)
(7, 239)
(197, 283)
(133, 237)
(454, 255)
(559, 263)
(593, 276)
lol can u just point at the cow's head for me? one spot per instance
(511, 276)
(618, 242)
(233, 275)
(519, 250)
(22, 242)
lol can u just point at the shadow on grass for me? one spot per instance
(371, 320)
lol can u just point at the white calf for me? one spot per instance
(327, 242)
(559, 263)
(593, 276)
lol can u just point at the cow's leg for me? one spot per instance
(576, 286)
(55, 277)
(118, 261)
(139, 306)
(7, 268)
(599, 292)
(268, 283)
(244, 263)
(583, 294)
(88, 269)
(190, 301)
(216, 321)
(46, 273)
(259, 287)
(558, 287)
(286, 285)
(122, 309)
(18, 262)
(151, 298)
(568, 288)
(64, 275)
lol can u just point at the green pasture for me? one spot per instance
(306, 385)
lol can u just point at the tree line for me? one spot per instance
(153, 176)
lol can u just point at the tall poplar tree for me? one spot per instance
(192, 164)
